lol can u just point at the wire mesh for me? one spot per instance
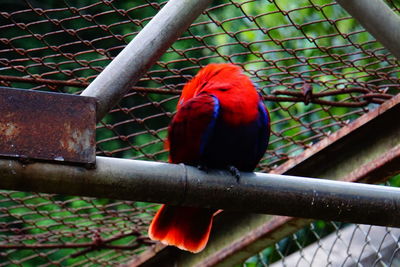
(315, 66)
(44, 229)
(345, 245)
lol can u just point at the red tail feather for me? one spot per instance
(186, 228)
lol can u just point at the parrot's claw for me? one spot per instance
(235, 172)
(203, 168)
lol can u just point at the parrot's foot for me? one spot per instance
(203, 168)
(235, 172)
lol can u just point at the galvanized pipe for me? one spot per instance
(186, 185)
(378, 19)
(142, 52)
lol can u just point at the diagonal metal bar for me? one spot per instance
(378, 19)
(142, 52)
(367, 150)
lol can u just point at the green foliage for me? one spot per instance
(395, 181)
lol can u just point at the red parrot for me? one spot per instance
(221, 122)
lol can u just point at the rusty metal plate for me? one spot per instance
(47, 126)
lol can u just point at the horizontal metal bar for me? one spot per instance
(188, 186)
(142, 52)
(378, 19)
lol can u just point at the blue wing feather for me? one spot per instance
(211, 126)
(264, 129)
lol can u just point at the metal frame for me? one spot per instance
(378, 19)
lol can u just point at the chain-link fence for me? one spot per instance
(315, 66)
(347, 245)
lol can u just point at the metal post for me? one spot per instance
(141, 53)
(378, 19)
(188, 186)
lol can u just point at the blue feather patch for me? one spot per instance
(210, 128)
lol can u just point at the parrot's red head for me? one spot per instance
(209, 76)
(227, 82)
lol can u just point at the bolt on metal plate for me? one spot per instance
(37, 125)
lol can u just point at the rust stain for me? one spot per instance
(47, 126)
(8, 130)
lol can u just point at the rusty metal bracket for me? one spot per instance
(37, 125)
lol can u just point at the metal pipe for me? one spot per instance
(378, 19)
(142, 52)
(188, 186)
